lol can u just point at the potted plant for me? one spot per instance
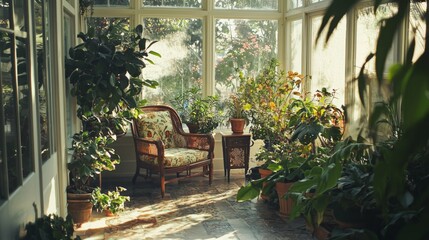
(200, 114)
(287, 163)
(91, 156)
(111, 202)
(50, 227)
(267, 96)
(237, 112)
(104, 73)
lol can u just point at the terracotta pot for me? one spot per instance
(108, 213)
(264, 173)
(285, 204)
(79, 206)
(237, 125)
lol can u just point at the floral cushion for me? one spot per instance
(175, 157)
(157, 126)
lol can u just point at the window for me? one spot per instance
(327, 67)
(418, 26)
(367, 27)
(4, 13)
(112, 2)
(70, 105)
(180, 43)
(246, 45)
(172, 3)
(295, 4)
(295, 57)
(248, 4)
(15, 99)
(43, 74)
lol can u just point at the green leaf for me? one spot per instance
(362, 79)
(139, 30)
(142, 44)
(247, 193)
(133, 70)
(335, 12)
(415, 104)
(155, 53)
(386, 37)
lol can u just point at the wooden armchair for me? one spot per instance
(163, 147)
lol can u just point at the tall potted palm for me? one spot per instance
(104, 72)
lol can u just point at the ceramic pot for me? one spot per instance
(237, 125)
(79, 206)
(285, 204)
(264, 173)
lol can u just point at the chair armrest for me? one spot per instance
(199, 141)
(149, 147)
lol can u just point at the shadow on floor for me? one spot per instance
(191, 210)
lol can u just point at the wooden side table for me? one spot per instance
(236, 152)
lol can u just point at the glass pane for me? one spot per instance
(172, 3)
(296, 45)
(24, 105)
(294, 4)
(417, 24)
(367, 27)
(248, 4)
(5, 13)
(315, 1)
(70, 113)
(247, 45)
(101, 2)
(10, 115)
(20, 15)
(112, 2)
(9, 111)
(41, 22)
(180, 44)
(102, 23)
(328, 61)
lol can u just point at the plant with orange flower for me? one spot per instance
(267, 97)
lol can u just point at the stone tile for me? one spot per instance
(194, 210)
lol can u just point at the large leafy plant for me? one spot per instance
(50, 227)
(105, 76)
(398, 168)
(105, 72)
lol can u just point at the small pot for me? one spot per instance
(193, 127)
(237, 125)
(108, 213)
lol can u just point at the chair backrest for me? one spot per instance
(160, 123)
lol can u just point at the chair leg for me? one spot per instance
(210, 172)
(162, 186)
(136, 174)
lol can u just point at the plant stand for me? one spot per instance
(236, 152)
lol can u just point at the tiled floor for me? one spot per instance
(192, 210)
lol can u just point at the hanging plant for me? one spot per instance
(85, 7)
